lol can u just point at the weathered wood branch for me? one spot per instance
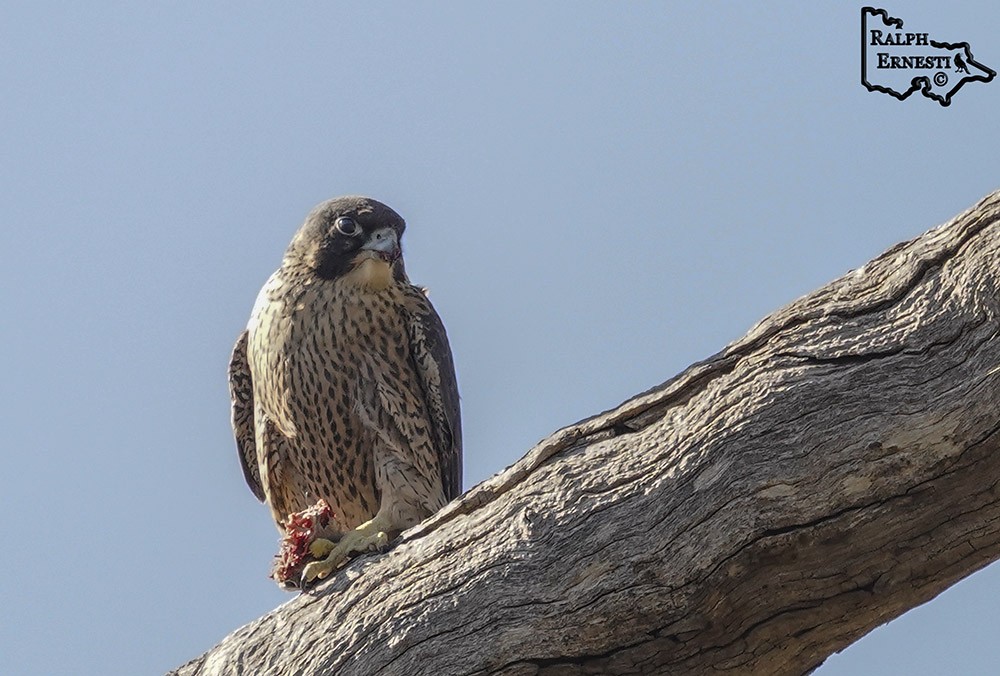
(763, 509)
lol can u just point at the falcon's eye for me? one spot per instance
(346, 225)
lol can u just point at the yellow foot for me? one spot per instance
(369, 536)
(320, 547)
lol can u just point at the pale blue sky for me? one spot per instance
(598, 194)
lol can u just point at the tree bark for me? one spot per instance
(763, 509)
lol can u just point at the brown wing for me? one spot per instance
(434, 364)
(241, 394)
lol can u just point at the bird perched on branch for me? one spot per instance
(343, 386)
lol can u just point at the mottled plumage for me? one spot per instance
(343, 386)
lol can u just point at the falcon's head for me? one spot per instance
(355, 237)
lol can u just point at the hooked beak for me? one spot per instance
(385, 243)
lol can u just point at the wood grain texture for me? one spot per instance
(766, 507)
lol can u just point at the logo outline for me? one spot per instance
(921, 83)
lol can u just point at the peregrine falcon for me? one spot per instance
(343, 386)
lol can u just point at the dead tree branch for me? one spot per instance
(766, 507)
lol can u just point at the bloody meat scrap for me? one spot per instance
(301, 528)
